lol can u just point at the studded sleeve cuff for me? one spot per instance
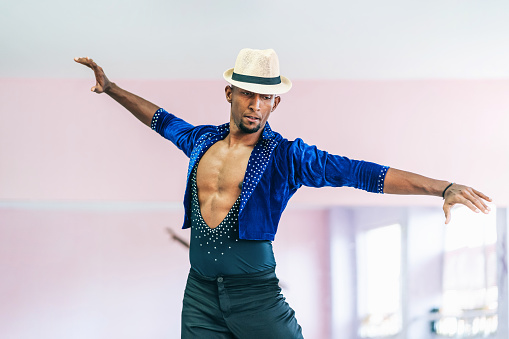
(155, 119)
(381, 179)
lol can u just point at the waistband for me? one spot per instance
(236, 278)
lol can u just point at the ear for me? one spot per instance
(228, 92)
(277, 100)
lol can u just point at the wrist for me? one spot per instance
(110, 88)
(436, 187)
(445, 189)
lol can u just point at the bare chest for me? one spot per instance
(221, 171)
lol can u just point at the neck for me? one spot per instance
(239, 137)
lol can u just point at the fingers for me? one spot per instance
(482, 195)
(447, 211)
(84, 61)
(471, 205)
(448, 205)
(471, 198)
(474, 201)
(87, 62)
(100, 77)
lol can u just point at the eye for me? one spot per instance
(268, 97)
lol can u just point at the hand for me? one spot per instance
(102, 83)
(460, 194)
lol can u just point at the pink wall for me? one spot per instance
(90, 274)
(58, 141)
(94, 272)
(302, 250)
(86, 191)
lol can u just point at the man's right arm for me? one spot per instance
(142, 109)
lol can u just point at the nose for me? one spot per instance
(255, 103)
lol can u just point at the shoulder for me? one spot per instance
(293, 146)
(210, 131)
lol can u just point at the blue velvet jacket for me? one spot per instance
(276, 169)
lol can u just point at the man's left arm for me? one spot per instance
(402, 182)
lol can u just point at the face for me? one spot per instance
(250, 111)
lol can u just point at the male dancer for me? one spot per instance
(240, 178)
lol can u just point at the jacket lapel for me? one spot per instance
(203, 144)
(257, 164)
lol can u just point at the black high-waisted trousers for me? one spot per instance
(237, 306)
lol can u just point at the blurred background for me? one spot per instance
(90, 199)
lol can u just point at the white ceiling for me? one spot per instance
(343, 39)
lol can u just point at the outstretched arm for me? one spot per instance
(142, 109)
(402, 182)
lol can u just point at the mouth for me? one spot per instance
(251, 118)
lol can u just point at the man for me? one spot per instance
(240, 178)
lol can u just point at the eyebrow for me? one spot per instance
(257, 93)
(247, 91)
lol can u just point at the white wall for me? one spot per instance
(199, 39)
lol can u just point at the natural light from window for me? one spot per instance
(379, 268)
(470, 292)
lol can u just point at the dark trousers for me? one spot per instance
(237, 306)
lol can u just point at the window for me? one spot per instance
(470, 292)
(379, 273)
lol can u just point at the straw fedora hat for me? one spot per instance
(258, 71)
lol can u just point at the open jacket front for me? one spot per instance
(276, 169)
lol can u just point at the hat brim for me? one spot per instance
(281, 88)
